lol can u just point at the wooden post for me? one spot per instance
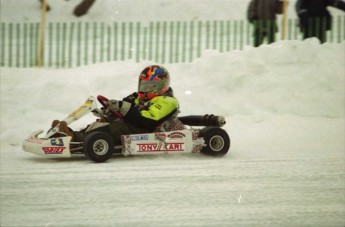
(42, 31)
(285, 3)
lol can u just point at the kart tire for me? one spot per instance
(98, 146)
(217, 141)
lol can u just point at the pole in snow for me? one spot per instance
(42, 31)
(285, 3)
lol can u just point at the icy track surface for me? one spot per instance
(284, 106)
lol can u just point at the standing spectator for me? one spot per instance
(262, 13)
(314, 18)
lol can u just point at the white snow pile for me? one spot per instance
(287, 78)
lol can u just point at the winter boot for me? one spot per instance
(64, 129)
(82, 8)
(55, 123)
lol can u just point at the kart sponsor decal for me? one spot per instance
(56, 142)
(157, 147)
(139, 137)
(53, 150)
(176, 135)
(163, 135)
(35, 140)
(160, 136)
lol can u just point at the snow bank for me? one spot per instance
(289, 77)
(301, 78)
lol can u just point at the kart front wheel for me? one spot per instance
(98, 146)
(217, 141)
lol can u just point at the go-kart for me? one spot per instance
(99, 146)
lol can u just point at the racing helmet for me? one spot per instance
(154, 80)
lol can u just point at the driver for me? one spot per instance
(152, 108)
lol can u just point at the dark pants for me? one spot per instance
(116, 129)
(262, 31)
(315, 29)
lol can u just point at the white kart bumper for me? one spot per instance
(52, 147)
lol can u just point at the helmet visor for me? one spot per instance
(150, 85)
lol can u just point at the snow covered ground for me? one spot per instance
(285, 111)
(284, 106)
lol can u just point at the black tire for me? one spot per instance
(98, 146)
(217, 141)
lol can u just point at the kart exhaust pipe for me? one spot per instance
(203, 120)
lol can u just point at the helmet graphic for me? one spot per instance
(154, 80)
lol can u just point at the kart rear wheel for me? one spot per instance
(98, 146)
(217, 141)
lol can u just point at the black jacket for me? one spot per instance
(263, 13)
(308, 10)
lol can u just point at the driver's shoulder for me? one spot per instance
(168, 100)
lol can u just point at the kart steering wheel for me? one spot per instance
(103, 100)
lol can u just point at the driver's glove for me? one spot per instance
(113, 105)
(121, 107)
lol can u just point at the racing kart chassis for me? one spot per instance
(99, 146)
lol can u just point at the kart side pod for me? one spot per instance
(214, 141)
(162, 142)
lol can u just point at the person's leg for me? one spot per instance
(116, 129)
(323, 36)
(271, 34)
(119, 127)
(258, 37)
(311, 30)
(322, 30)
